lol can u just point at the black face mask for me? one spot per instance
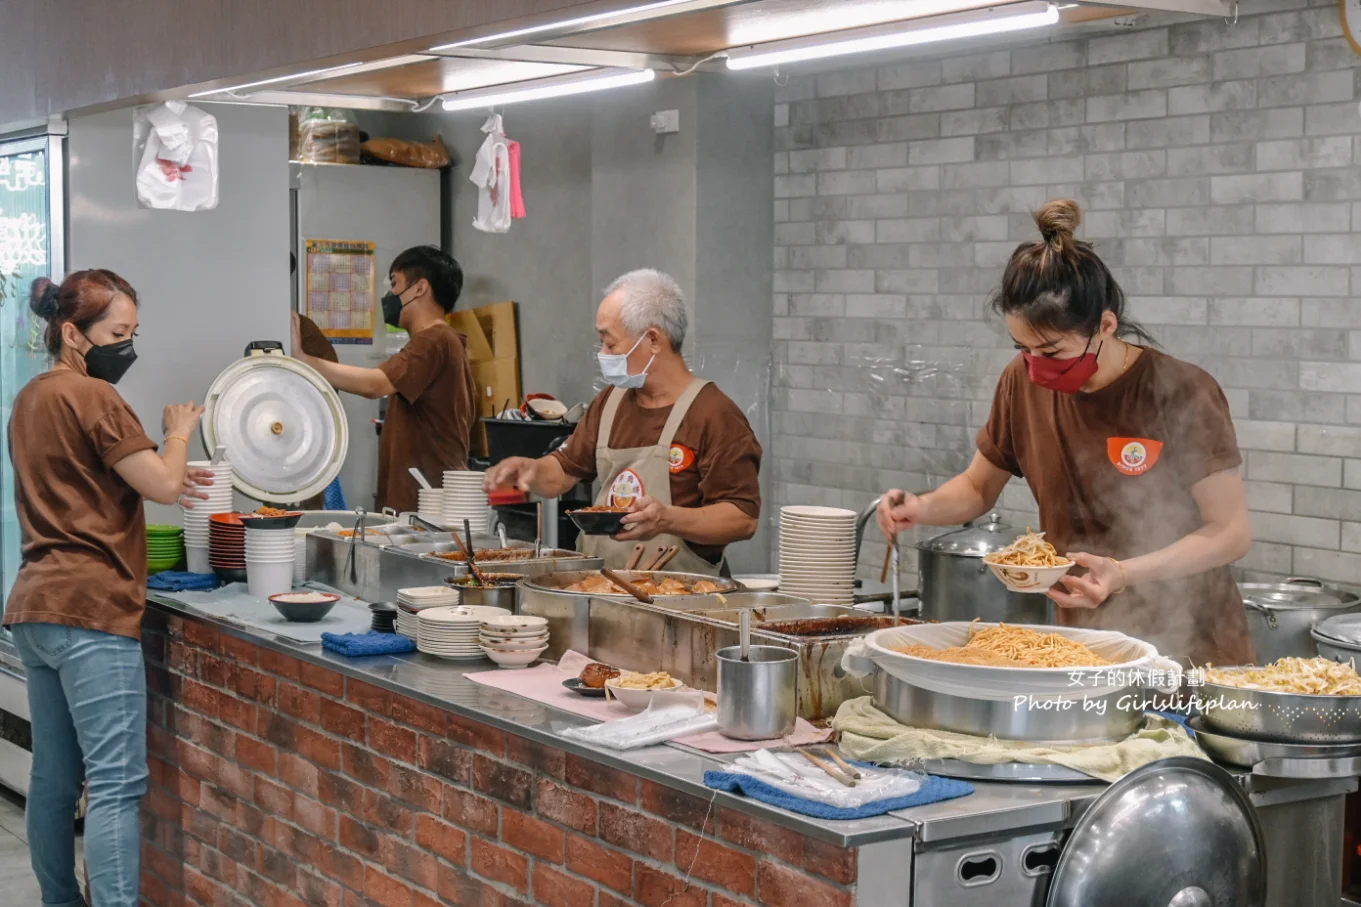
(111, 361)
(392, 309)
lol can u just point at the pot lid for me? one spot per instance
(1344, 629)
(283, 426)
(976, 539)
(1178, 832)
(1297, 594)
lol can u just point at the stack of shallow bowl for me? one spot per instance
(514, 641)
(269, 561)
(817, 554)
(410, 602)
(195, 519)
(164, 548)
(453, 632)
(227, 547)
(430, 506)
(465, 499)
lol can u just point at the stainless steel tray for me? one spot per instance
(1280, 760)
(1014, 772)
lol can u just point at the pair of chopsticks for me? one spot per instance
(626, 586)
(842, 771)
(660, 560)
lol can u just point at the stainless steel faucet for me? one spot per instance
(861, 522)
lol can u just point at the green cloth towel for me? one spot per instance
(869, 735)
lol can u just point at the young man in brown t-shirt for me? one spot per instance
(430, 382)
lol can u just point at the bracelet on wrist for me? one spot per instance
(169, 438)
(1124, 577)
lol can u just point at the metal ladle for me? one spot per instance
(744, 633)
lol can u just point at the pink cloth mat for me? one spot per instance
(543, 684)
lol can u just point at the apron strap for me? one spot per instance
(602, 435)
(679, 411)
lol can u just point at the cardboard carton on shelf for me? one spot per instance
(494, 351)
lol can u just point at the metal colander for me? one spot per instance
(1281, 717)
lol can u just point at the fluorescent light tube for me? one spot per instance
(556, 87)
(990, 21)
(277, 79)
(565, 23)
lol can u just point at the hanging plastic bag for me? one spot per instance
(176, 150)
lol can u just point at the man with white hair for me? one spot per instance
(670, 448)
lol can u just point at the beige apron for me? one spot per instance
(626, 475)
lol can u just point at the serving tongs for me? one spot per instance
(627, 586)
(350, 566)
(468, 558)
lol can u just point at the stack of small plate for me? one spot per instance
(430, 506)
(227, 547)
(195, 519)
(164, 548)
(465, 499)
(384, 617)
(412, 601)
(817, 554)
(514, 641)
(453, 632)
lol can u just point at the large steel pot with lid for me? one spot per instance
(1339, 638)
(955, 584)
(1281, 616)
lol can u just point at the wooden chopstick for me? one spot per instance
(626, 586)
(666, 557)
(637, 556)
(652, 564)
(845, 766)
(468, 559)
(831, 770)
(888, 558)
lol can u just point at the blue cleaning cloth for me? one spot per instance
(933, 790)
(356, 645)
(334, 497)
(172, 581)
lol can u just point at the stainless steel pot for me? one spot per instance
(1281, 616)
(758, 696)
(956, 585)
(1339, 638)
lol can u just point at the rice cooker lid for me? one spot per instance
(282, 424)
(976, 539)
(1178, 831)
(1297, 594)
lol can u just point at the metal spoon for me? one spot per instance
(744, 632)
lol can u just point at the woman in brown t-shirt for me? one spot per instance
(1130, 453)
(82, 467)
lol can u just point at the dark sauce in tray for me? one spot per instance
(834, 626)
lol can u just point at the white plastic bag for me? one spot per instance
(683, 715)
(176, 151)
(795, 775)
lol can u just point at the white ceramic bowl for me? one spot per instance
(514, 659)
(265, 580)
(514, 623)
(514, 645)
(1027, 579)
(637, 700)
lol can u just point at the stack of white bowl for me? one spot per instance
(465, 499)
(300, 555)
(817, 554)
(410, 602)
(454, 632)
(514, 641)
(430, 506)
(195, 519)
(270, 555)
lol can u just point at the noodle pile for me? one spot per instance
(1012, 647)
(1313, 676)
(1029, 550)
(630, 680)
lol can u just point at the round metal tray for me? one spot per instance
(1015, 772)
(1280, 760)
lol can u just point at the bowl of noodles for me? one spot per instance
(1029, 564)
(1291, 700)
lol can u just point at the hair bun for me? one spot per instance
(1058, 221)
(42, 298)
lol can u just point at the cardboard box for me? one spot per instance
(494, 351)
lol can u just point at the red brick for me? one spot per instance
(318, 892)
(358, 838)
(383, 889)
(318, 819)
(236, 846)
(249, 819)
(342, 720)
(385, 812)
(182, 659)
(446, 760)
(467, 810)
(784, 887)
(726, 867)
(418, 714)
(408, 863)
(293, 841)
(332, 683)
(163, 804)
(476, 734)
(397, 742)
(272, 797)
(637, 832)
(504, 782)
(281, 664)
(216, 866)
(368, 697)
(243, 650)
(609, 900)
(600, 779)
(153, 891)
(500, 865)
(538, 839)
(214, 802)
(160, 862)
(197, 823)
(762, 837)
(200, 634)
(554, 889)
(275, 866)
(203, 889)
(423, 900)
(343, 867)
(654, 888)
(316, 747)
(238, 713)
(255, 755)
(335, 790)
(600, 864)
(718, 900)
(829, 861)
(365, 767)
(543, 759)
(416, 787)
(302, 704)
(254, 685)
(677, 806)
(458, 887)
(442, 839)
(298, 774)
(198, 697)
(575, 810)
(214, 670)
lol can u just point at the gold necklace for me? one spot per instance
(1126, 365)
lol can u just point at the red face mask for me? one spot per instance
(1066, 376)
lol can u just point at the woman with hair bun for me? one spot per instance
(1130, 453)
(82, 468)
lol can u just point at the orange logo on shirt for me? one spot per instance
(1133, 456)
(681, 458)
(626, 488)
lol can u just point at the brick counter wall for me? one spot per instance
(279, 782)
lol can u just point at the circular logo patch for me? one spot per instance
(626, 488)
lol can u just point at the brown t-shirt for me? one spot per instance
(715, 455)
(1112, 472)
(429, 420)
(314, 342)
(84, 532)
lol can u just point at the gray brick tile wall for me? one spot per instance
(1219, 168)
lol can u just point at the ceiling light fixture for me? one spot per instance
(990, 21)
(295, 77)
(564, 23)
(555, 87)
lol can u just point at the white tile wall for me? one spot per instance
(1220, 172)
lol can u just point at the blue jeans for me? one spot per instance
(87, 703)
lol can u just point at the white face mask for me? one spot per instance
(614, 367)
